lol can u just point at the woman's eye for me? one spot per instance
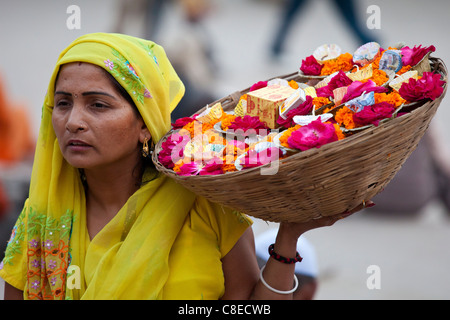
(99, 105)
(62, 103)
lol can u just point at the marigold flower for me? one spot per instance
(227, 120)
(404, 69)
(285, 136)
(380, 77)
(293, 84)
(392, 97)
(344, 116)
(344, 62)
(319, 102)
(339, 132)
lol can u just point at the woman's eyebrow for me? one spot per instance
(63, 93)
(87, 93)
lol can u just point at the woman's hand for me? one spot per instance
(294, 230)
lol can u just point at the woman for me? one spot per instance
(99, 222)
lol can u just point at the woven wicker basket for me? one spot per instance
(319, 182)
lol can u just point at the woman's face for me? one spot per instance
(95, 126)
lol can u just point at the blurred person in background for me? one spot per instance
(16, 141)
(16, 147)
(191, 51)
(424, 177)
(291, 9)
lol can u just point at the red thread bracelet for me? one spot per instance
(280, 258)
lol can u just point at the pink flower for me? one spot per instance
(181, 122)
(247, 122)
(213, 167)
(413, 56)
(357, 88)
(373, 114)
(427, 87)
(172, 150)
(258, 85)
(310, 66)
(189, 169)
(109, 64)
(301, 110)
(313, 135)
(147, 93)
(255, 159)
(338, 81)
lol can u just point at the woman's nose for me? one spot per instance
(75, 121)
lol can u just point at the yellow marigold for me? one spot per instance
(344, 62)
(344, 117)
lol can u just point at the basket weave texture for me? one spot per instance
(318, 182)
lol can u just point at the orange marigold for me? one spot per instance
(393, 98)
(320, 102)
(379, 77)
(293, 84)
(229, 167)
(344, 117)
(344, 62)
(227, 119)
(339, 132)
(285, 136)
(403, 70)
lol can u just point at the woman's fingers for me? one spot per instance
(330, 220)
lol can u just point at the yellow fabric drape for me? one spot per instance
(139, 253)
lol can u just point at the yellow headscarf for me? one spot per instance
(52, 225)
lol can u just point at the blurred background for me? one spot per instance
(221, 46)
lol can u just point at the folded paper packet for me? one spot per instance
(264, 103)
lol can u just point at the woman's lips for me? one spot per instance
(78, 145)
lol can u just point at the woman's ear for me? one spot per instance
(144, 134)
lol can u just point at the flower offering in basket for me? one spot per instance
(317, 131)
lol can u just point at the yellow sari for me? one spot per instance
(164, 243)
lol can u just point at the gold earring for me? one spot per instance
(145, 149)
